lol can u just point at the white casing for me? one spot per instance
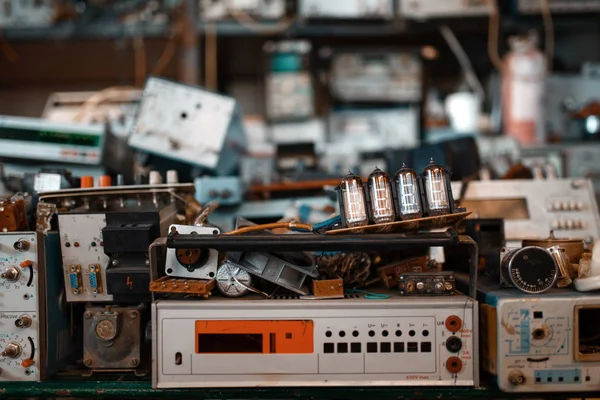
(188, 124)
(173, 325)
(567, 206)
(83, 229)
(48, 150)
(264, 9)
(518, 350)
(423, 9)
(18, 298)
(558, 6)
(358, 9)
(27, 13)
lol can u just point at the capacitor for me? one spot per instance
(172, 176)
(354, 202)
(104, 181)
(155, 178)
(382, 199)
(408, 193)
(436, 189)
(87, 182)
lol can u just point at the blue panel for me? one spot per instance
(286, 62)
(557, 376)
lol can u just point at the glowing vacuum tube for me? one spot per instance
(436, 192)
(382, 200)
(409, 194)
(353, 201)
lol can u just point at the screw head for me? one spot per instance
(87, 315)
(134, 362)
(87, 362)
(133, 314)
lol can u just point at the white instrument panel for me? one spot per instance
(19, 307)
(264, 9)
(381, 9)
(351, 342)
(423, 9)
(84, 261)
(532, 208)
(542, 344)
(559, 6)
(27, 13)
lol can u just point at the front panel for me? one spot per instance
(84, 260)
(19, 307)
(547, 343)
(357, 342)
(531, 208)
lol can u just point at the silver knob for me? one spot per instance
(420, 285)
(439, 287)
(12, 350)
(11, 274)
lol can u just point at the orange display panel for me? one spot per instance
(255, 337)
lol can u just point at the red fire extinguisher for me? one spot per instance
(523, 70)
(523, 81)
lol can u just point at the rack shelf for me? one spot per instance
(143, 389)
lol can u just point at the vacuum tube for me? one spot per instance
(382, 200)
(409, 194)
(353, 201)
(436, 192)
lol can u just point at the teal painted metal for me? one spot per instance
(143, 389)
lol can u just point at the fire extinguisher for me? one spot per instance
(523, 81)
(523, 70)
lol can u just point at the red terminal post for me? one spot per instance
(453, 323)
(454, 365)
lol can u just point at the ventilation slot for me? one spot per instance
(285, 297)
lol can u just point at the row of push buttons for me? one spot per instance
(568, 224)
(374, 347)
(566, 206)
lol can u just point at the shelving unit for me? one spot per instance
(143, 389)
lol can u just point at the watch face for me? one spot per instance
(231, 280)
(532, 269)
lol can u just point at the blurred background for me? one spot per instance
(294, 93)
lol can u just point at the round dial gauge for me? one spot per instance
(229, 278)
(530, 269)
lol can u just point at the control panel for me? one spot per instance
(532, 208)
(350, 9)
(423, 9)
(226, 190)
(547, 343)
(19, 312)
(27, 13)
(559, 6)
(351, 341)
(84, 260)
